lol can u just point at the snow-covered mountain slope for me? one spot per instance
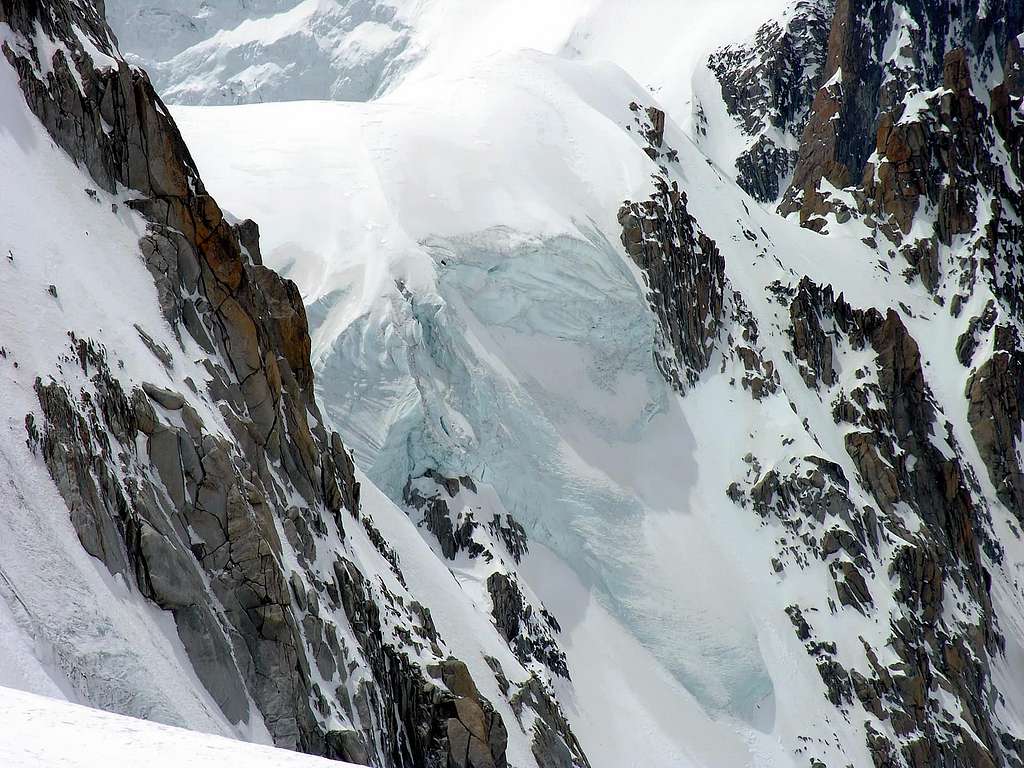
(654, 473)
(86, 738)
(227, 52)
(514, 344)
(98, 642)
(422, 369)
(750, 442)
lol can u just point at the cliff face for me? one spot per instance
(226, 501)
(870, 81)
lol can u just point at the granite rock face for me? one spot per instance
(885, 114)
(995, 393)
(866, 78)
(684, 270)
(767, 86)
(910, 468)
(933, 184)
(906, 134)
(903, 138)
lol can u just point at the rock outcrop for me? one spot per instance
(995, 393)
(767, 85)
(684, 270)
(867, 78)
(464, 526)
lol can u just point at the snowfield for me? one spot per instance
(40, 731)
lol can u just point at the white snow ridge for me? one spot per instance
(449, 384)
(44, 731)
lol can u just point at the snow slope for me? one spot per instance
(41, 731)
(466, 281)
(225, 52)
(456, 240)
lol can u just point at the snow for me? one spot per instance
(202, 53)
(45, 731)
(917, 104)
(653, 714)
(23, 666)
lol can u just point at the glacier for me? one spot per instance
(485, 323)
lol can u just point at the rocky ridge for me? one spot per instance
(909, 143)
(767, 86)
(684, 270)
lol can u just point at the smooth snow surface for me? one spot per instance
(40, 731)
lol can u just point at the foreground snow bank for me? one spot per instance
(226, 52)
(39, 731)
